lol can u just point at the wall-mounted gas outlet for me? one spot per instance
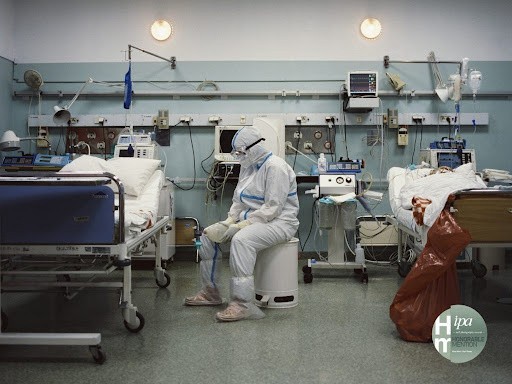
(403, 136)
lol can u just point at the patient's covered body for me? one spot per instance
(436, 187)
(423, 192)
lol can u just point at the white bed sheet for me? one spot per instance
(141, 212)
(404, 184)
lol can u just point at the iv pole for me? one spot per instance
(172, 60)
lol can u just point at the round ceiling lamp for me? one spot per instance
(161, 30)
(371, 28)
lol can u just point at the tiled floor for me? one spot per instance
(340, 332)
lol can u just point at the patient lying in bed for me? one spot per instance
(142, 181)
(418, 196)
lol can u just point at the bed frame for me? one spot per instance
(74, 265)
(485, 213)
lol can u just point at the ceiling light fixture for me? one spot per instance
(161, 30)
(371, 28)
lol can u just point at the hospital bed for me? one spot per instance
(485, 212)
(70, 231)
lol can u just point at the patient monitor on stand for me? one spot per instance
(337, 214)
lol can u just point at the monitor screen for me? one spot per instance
(362, 83)
(223, 137)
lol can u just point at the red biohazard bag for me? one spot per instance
(431, 286)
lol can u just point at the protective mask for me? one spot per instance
(244, 160)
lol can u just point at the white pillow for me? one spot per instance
(86, 163)
(133, 172)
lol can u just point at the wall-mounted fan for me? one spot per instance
(33, 79)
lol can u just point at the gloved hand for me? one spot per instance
(232, 230)
(215, 231)
(228, 221)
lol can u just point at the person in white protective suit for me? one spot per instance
(263, 213)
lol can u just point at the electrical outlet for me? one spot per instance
(446, 118)
(91, 135)
(297, 135)
(163, 119)
(308, 145)
(418, 118)
(392, 118)
(43, 137)
(185, 119)
(100, 145)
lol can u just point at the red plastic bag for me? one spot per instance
(431, 286)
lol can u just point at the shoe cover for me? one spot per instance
(208, 297)
(242, 292)
(240, 311)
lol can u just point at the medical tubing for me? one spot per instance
(303, 154)
(194, 162)
(312, 222)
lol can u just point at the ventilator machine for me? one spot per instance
(336, 213)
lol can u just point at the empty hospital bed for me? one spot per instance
(70, 231)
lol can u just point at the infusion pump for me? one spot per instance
(141, 144)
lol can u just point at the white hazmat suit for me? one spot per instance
(263, 213)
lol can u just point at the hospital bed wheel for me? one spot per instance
(141, 323)
(166, 283)
(404, 268)
(364, 278)
(479, 270)
(4, 321)
(97, 354)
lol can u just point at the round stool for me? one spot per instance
(275, 276)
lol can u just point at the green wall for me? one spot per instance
(490, 142)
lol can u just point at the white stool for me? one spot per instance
(275, 276)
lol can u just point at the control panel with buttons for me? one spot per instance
(337, 184)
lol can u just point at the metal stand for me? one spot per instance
(337, 257)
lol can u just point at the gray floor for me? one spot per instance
(339, 333)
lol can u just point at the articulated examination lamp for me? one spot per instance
(62, 116)
(10, 142)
